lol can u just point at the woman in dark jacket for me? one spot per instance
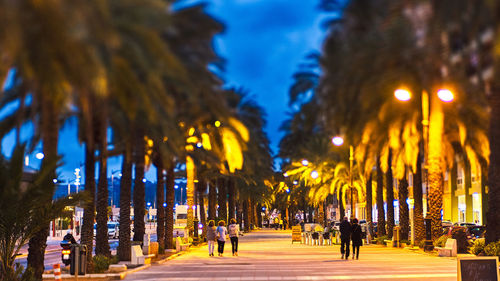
(357, 241)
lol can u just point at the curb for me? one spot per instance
(46, 252)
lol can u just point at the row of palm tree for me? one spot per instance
(144, 70)
(371, 50)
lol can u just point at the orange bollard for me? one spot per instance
(57, 271)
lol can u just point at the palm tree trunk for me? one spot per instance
(341, 204)
(390, 197)
(493, 213)
(369, 204)
(246, 216)
(321, 213)
(87, 237)
(418, 211)
(160, 199)
(231, 199)
(169, 210)
(221, 198)
(259, 217)
(139, 188)
(50, 134)
(201, 202)
(123, 250)
(239, 213)
(469, 214)
(190, 189)
(212, 200)
(102, 244)
(435, 166)
(404, 219)
(380, 202)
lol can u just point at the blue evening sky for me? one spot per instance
(264, 43)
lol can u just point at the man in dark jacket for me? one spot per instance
(345, 237)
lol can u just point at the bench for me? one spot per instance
(179, 246)
(449, 249)
(138, 256)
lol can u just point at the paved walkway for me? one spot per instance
(269, 255)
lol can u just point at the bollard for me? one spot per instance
(57, 271)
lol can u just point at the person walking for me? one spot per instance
(234, 231)
(356, 237)
(345, 237)
(221, 237)
(211, 235)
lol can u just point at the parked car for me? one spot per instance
(477, 231)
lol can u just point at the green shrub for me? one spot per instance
(460, 234)
(101, 263)
(441, 241)
(477, 246)
(380, 240)
(492, 249)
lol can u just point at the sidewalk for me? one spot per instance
(270, 255)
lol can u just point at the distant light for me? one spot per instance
(143, 180)
(285, 175)
(287, 190)
(194, 207)
(314, 175)
(199, 145)
(263, 208)
(164, 204)
(176, 204)
(445, 95)
(200, 226)
(120, 174)
(54, 180)
(149, 203)
(176, 186)
(217, 124)
(337, 141)
(77, 170)
(27, 160)
(295, 182)
(402, 94)
(196, 181)
(305, 162)
(39, 156)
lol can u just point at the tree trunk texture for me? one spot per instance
(123, 250)
(169, 210)
(87, 235)
(222, 198)
(390, 197)
(493, 213)
(139, 188)
(369, 204)
(239, 213)
(418, 210)
(50, 134)
(160, 199)
(380, 201)
(259, 217)
(404, 216)
(469, 214)
(231, 202)
(212, 200)
(102, 244)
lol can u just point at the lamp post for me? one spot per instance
(338, 141)
(433, 127)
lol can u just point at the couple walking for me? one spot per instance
(350, 231)
(220, 234)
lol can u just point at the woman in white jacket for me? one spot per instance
(234, 231)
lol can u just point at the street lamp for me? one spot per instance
(338, 141)
(433, 127)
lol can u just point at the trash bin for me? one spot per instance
(78, 259)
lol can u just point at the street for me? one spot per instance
(269, 255)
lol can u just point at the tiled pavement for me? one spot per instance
(269, 255)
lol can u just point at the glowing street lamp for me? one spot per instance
(314, 174)
(445, 95)
(338, 141)
(305, 162)
(39, 156)
(402, 94)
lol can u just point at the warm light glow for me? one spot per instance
(295, 182)
(191, 131)
(305, 162)
(39, 156)
(199, 145)
(176, 186)
(338, 141)
(144, 180)
(314, 175)
(285, 175)
(402, 94)
(54, 180)
(445, 95)
(217, 123)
